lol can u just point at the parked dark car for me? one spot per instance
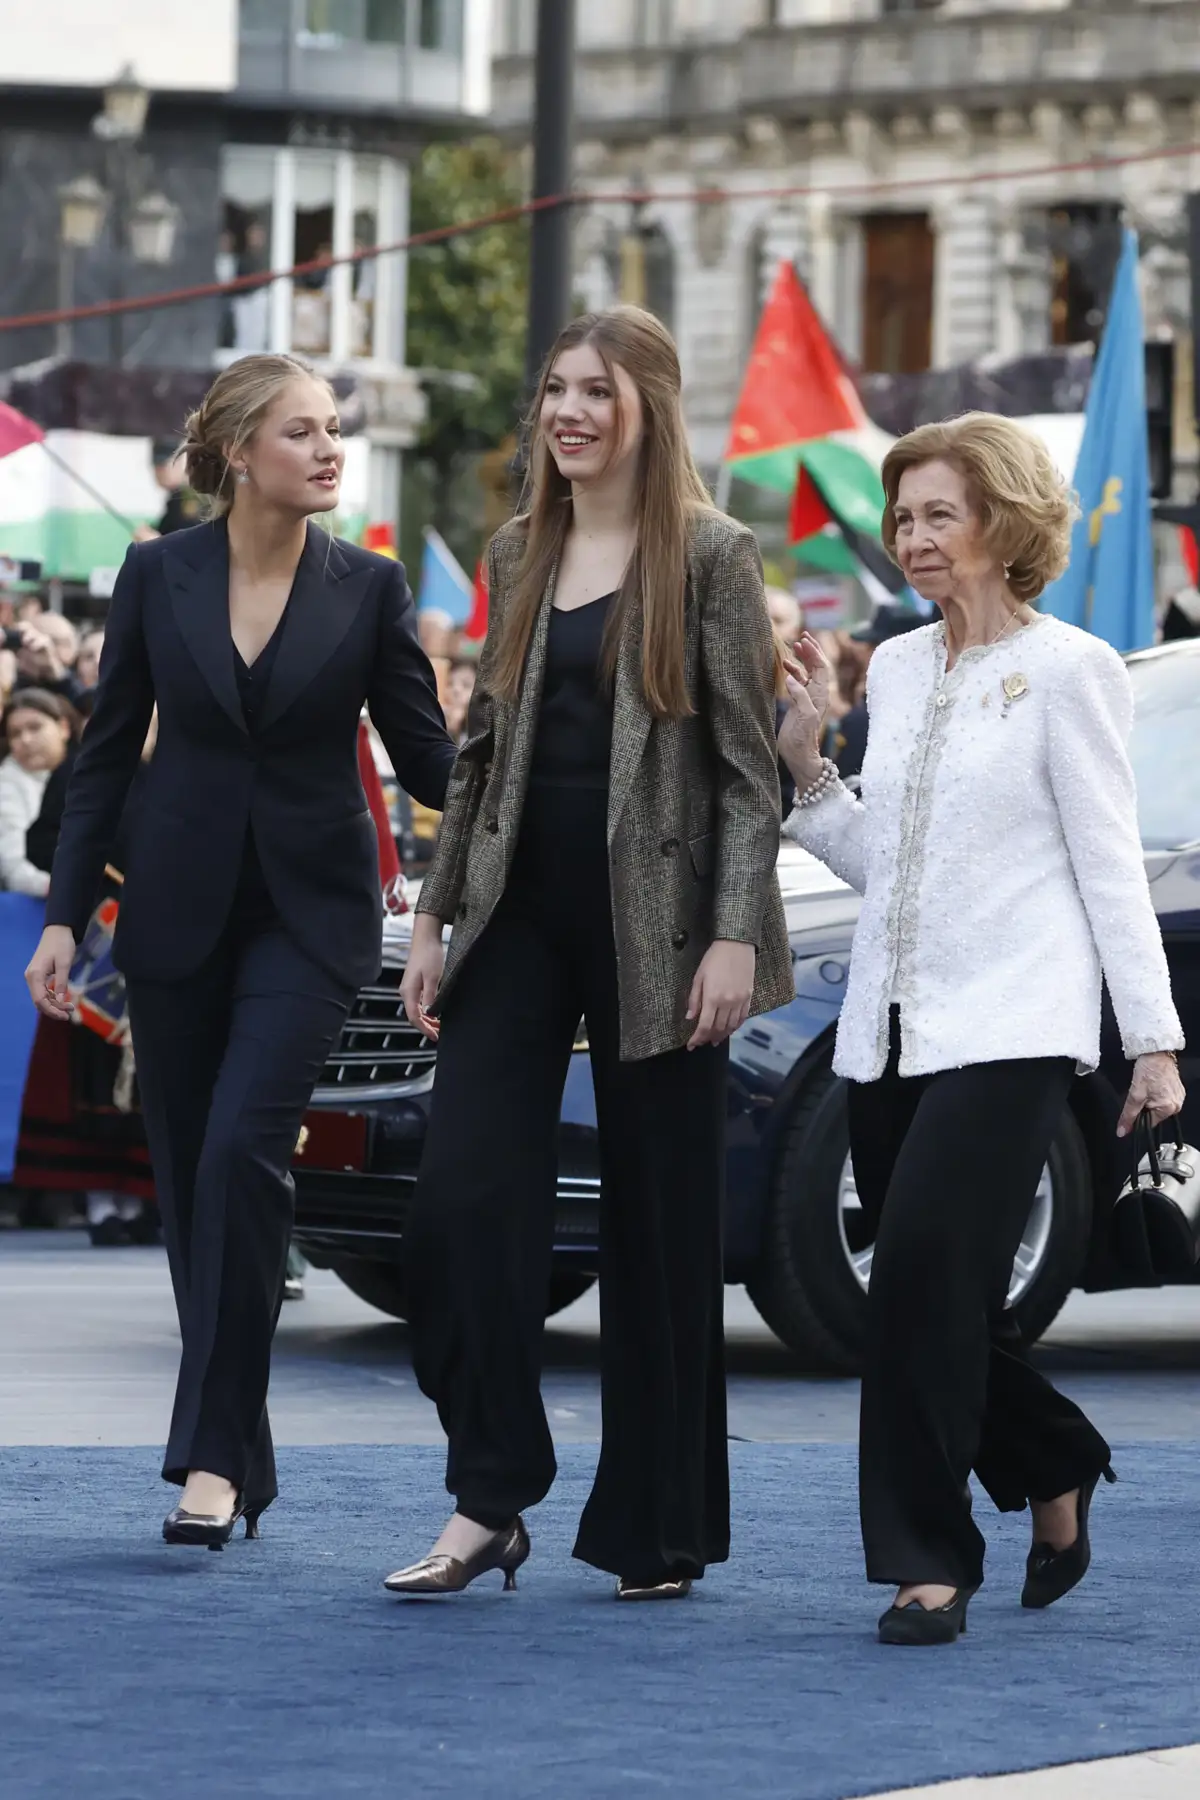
(794, 1229)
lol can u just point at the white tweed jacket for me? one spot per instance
(996, 846)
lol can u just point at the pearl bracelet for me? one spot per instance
(818, 788)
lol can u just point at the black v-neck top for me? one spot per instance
(573, 745)
(253, 907)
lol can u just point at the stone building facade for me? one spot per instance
(949, 178)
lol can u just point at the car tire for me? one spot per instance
(381, 1284)
(805, 1288)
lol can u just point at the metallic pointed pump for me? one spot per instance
(505, 1550)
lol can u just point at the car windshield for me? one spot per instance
(1165, 748)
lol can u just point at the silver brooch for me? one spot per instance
(1015, 688)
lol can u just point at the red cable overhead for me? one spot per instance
(209, 290)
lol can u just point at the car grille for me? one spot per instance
(378, 1047)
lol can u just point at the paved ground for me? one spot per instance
(1161, 1775)
(88, 1350)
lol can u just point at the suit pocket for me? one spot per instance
(703, 852)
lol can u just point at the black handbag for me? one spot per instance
(1156, 1221)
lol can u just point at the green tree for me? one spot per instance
(466, 333)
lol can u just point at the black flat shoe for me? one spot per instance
(1051, 1573)
(209, 1530)
(917, 1624)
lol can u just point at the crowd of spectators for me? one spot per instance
(48, 673)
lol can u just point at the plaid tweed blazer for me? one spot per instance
(693, 803)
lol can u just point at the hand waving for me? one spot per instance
(808, 683)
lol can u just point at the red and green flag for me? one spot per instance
(800, 429)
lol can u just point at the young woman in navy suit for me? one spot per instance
(250, 912)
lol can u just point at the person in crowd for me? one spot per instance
(47, 660)
(251, 908)
(30, 609)
(996, 846)
(459, 686)
(183, 507)
(1181, 615)
(251, 306)
(786, 615)
(849, 744)
(608, 850)
(87, 663)
(95, 1067)
(38, 728)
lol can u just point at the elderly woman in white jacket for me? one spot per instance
(997, 851)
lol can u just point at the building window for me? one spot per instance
(244, 248)
(1085, 244)
(315, 192)
(385, 23)
(285, 207)
(641, 264)
(425, 24)
(897, 319)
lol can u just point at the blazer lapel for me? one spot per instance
(526, 720)
(324, 602)
(197, 576)
(631, 720)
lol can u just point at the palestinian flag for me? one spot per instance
(800, 428)
(835, 520)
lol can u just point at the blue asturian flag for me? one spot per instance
(446, 588)
(1108, 587)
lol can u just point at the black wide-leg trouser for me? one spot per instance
(227, 1060)
(947, 1167)
(481, 1234)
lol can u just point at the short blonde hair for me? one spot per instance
(228, 416)
(1025, 507)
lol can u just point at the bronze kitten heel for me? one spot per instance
(505, 1550)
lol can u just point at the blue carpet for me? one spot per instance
(130, 1669)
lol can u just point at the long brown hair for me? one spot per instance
(669, 491)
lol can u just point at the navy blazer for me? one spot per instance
(349, 636)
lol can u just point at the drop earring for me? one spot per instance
(243, 476)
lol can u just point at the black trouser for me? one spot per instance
(947, 1167)
(227, 1061)
(481, 1234)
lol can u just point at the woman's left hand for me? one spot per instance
(1155, 1089)
(720, 997)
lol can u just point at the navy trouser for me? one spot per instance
(227, 1060)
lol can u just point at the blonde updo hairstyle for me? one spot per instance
(1025, 508)
(227, 418)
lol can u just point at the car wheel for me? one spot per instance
(380, 1284)
(565, 1289)
(811, 1287)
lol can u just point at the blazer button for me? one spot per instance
(462, 911)
(679, 940)
(492, 825)
(669, 846)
